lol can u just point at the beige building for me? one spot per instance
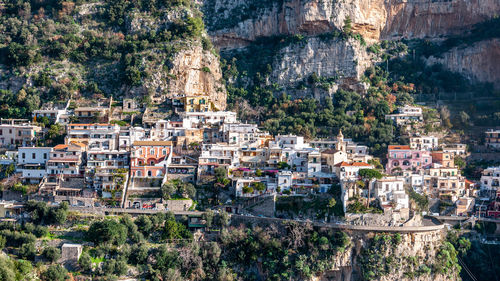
(17, 132)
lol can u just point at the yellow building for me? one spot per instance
(196, 103)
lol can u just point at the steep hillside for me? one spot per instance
(152, 50)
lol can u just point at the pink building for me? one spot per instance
(405, 158)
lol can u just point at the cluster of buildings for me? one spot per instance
(102, 161)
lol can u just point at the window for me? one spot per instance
(45, 156)
(24, 155)
(1, 132)
(152, 151)
(149, 174)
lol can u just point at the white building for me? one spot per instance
(424, 142)
(55, 113)
(31, 162)
(350, 171)
(240, 133)
(406, 115)
(390, 191)
(290, 141)
(193, 119)
(66, 160)
(285, 179)
(95, 136)
(457, 149)
(103, 166)
(490, 179)
(130, 135)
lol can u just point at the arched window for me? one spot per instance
(406, 163)
(150, 174)
(139, 173)
(152, 163)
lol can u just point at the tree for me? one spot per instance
(121, 268)
(107, 231)
(108, 267)
(59, 214)
(144, 224)
(368, 175)
(347, 29)
(259, 186)
(258, 173)
(223, 218)
(464, 118)
(247, 189)
(52, 254)
(332, 203)
(139, 254)
(28, 251)
(283, 165)
(178, 188)
(85, 262)
(459, 162)
(221, 181)
(55, 134)
(55, 273)
(174, 230)
(208, 216)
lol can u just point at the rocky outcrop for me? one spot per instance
(479, 62)
(189, 71)
(346, 60)
(236, 23)
(196, 72)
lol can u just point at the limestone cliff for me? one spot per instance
(405, 260)
(345, 60)
(196, 72)
(236, 23)
(478, 62)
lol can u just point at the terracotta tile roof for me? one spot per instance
(399, 147)
(152, 143)
(60, 146)
(355, 164)
(78, 144)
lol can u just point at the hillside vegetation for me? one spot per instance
(54, 50)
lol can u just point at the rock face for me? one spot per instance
(192, 71)
(344, 59)
(479, 62)
(197, 72)
(236, 23)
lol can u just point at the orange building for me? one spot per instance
(150, 158)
